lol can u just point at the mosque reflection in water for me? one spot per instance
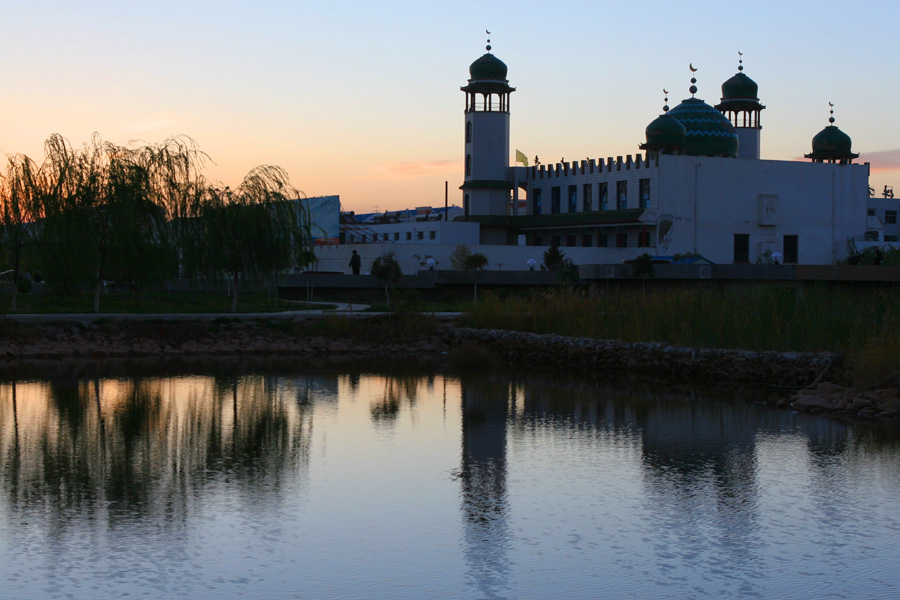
(117, 449)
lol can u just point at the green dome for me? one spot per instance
(488, 67)
(740, 87)
(831, 144)
(663, 133)
(708, 132)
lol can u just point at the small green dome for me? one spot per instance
(488, 67)
(665, 132)
(831, 144)
(740, 87)
(708, 132)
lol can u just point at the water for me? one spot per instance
(363, 485)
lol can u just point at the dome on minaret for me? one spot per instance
(740, 87)
(740, 93)
(832, 145)
(488, 67)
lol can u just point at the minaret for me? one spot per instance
(741, 105)
(487, 184)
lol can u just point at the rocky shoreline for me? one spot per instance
(804, 381)
(807, 382)
(174, 339)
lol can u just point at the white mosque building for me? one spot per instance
(699, 187)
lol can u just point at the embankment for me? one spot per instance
(810, 382)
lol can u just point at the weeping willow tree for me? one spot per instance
(140, 214)
(175, 174)
(61, 235)
(19, 204)
(255, 231)
(105, 212)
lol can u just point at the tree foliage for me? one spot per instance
(387, 270)
(18, 205)
(459, 256)
(139, 214)
(556, 260)
(249, 233)
(643, 266)
(476, 263)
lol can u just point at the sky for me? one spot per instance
(362, 99)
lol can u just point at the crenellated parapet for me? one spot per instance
(590, 166)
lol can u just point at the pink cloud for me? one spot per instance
(883, 160)
(404, 171)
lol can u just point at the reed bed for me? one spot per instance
(864, 325)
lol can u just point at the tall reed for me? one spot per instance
(866, 325)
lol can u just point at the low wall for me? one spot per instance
(679, 363)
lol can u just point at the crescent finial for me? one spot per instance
(693, 70)
(487, 32)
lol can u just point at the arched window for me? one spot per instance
(468, 131)
(466, 205)
(468, 165)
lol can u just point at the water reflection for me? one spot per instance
(485, 408)
(119, 448)
(472, 485)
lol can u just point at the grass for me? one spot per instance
(155, 302)
(866, 325)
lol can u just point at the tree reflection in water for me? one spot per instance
(133, 448)
(559, 488)
(385, 407)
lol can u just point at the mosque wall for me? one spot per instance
(708, 202)
(413, 256)
(610, 171)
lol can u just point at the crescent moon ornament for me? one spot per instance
(830, 104)
(665, 91)
(740, 53)
(487, 32)
(693, 70)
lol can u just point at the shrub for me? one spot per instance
(459, 257)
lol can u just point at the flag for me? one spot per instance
(521, 158)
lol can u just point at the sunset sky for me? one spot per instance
(362, 99)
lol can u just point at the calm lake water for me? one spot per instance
(365, 485)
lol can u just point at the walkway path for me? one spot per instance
(343, 309)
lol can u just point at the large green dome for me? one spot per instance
(708, 132)
(488, 67)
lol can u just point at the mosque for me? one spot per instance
(699, 187)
